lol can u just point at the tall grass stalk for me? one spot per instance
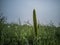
(35, 22)
(35, 25)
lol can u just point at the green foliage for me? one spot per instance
(2, 20)
(24, 35)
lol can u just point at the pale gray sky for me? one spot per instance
(46, 10)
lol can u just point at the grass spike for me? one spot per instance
(35, 21)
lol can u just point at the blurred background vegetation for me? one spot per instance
(17, 34)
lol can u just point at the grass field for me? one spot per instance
(36, 34)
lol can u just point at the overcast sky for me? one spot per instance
(46, 10)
